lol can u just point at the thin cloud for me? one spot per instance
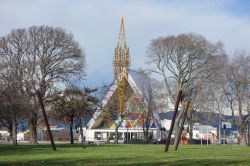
(95, 25)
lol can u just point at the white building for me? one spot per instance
(204, 132)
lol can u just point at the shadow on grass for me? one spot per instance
(123, 162)
(57, 145)
(28, 148)
(112, 154)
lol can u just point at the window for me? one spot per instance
(112, 136)
(98, 135)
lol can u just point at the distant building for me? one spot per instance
(4, 135)
(205, 132)
(60, 133)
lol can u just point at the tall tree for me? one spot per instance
(55, 57)
(182, 59)
(13, 48)
(48, 57)
(237, 91)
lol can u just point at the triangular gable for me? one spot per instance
(110, 93)
(107, 98)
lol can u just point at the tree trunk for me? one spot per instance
(182, 125)
(242, 138)
(14, 131)
(71, 130)
(178, 99)
(43, 134)
(177, 126)
(241, 128)
(46, 120)
(33, 116)
(178, 135)
(145, 129)
(81, 132)
(146, 135)
(191, 126)
(10, 129)
(33, 132)
(116, 134)
(116, 130)
(80, 126)
(177, 129)
(145, 132)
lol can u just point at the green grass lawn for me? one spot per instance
(122, 154)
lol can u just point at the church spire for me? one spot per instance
(121, 56)
(122, 37)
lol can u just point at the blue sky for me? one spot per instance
(239, 7)
(95, 25)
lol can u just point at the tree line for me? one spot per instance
(197, 76)
(44, 59)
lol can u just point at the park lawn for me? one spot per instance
(123, 154)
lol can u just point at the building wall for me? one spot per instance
(107, 135)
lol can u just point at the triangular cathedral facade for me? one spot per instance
(125, 101)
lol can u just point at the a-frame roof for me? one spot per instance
(138, 81)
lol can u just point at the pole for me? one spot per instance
(219, 131)
(224, 127)
(88, 134)
(248, 133)
(201, 136)
(46, 120)
(207, 135)
(182, 125)
(173, 119)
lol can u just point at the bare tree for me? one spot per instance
(151, 99)
(55, 57)
(237, 91)
(215, 100)
(47, 58)
(12, 62)
(150, 105)
(12, 108)
(147, 101)
(183, 59)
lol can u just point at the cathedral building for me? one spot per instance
(126, 104)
